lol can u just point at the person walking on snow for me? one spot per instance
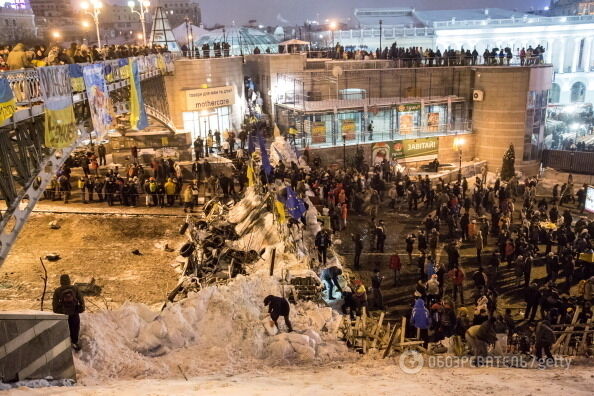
(277, 307)
(68, 300)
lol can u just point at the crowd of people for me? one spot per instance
(418, 56)
(21, 57)
(540, 232)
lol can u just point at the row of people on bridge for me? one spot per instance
(417, 56)
(21, 57)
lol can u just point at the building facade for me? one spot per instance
(16, 24)
(178, 10)
(567, 40)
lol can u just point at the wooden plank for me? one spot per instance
(390, 341)
(377, 329)
(403, 327)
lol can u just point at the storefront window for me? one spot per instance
(408, 117)
(436, 118)
(200, 122)
(535, 122)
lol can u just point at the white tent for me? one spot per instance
(293, 44)
(182, 32)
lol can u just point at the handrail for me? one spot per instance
(526, 19)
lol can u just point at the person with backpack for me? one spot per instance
(69, 301)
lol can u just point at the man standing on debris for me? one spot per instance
(278, 306)
(69, 301)
(330, 276)
(323, 242)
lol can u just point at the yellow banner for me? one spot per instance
(60, 128)
(7, 109)
(250, 175)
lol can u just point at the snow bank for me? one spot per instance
(217, 329)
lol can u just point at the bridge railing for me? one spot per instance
(25, 83)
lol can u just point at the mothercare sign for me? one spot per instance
(208, 98)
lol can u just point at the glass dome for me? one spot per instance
(242, 40)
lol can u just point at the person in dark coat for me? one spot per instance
(532, 297)
(68, 300)
(358, 242)
(278, 306)
(545, 338)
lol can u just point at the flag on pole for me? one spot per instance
(264, 154)
(250, 174)
(251, 143)
(295, 205)
(280, 209)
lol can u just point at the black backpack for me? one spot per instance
(68, 302)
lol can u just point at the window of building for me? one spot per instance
(555, 93)
(535, 123)
(578, 92)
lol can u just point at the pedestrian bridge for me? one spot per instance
(27, 162)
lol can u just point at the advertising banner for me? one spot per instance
(409, 107)
(138, 118)
(318, 132)
(432, 122)
(380, 152)
(56, 91)
(208, 98)
(406, 123)
(7, 104)
(414, 148)
(349, 128)
(99, 102)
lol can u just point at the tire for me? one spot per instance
(187, 249)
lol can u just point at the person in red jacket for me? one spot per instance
(396, 266)
(456, 276)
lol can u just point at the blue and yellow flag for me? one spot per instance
(138, 118)
(56, 90)
(264, 154)
(7, 105)
(76, 77)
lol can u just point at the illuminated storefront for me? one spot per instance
(209, 109)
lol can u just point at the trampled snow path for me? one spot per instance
(367, 377)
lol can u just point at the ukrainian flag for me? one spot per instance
(7, 104)
(76, 78)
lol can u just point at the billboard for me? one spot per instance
(208, 98)
(590, 199)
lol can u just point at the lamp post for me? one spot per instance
(93, 9)
(332, 28)
(143, 9)
(380, 47)
(344, 136)
(458, 143)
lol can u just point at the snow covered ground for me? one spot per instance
(366, 377)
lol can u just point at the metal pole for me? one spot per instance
(460, 169)
(96, 19)
(380, 47)
(142, 23)
(344, 150)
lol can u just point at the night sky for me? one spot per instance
(296, 11)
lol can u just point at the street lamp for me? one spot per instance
(56, 35)
(381, 33)
(93, 9)
(458, 143)
(344, 136)
(144, 6)
(333, 26)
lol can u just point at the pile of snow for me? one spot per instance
(218, 329)
(38, 383)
